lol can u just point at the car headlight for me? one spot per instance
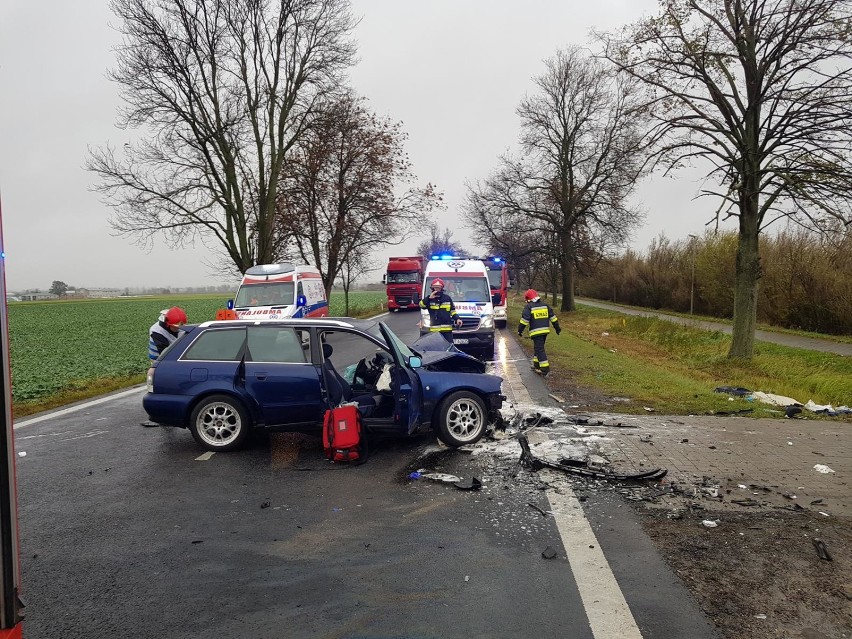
(486, 321)
(425, 320)
(499, 313)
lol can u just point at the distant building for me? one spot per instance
(37, 296)
(98, 293)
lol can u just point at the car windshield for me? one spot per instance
(403, 278)
(495, 277)
(265, 294)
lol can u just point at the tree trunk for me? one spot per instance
(746, 280)
(566, 267)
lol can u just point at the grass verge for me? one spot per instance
(674, 369)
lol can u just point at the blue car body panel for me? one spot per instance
(282, 394)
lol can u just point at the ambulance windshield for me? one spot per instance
(265, 294)
(464, 289)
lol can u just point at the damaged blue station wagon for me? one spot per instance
(221, 379)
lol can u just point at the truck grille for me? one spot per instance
(402, 300)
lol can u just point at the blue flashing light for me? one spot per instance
(2, 255)
(446, 256)
(498, 259)
(435, 257)
(230, 305)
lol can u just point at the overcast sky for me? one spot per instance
(452, 71)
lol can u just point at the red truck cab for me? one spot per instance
(404, 279)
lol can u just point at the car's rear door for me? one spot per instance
(280, 376)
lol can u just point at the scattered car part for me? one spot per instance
(579, 467)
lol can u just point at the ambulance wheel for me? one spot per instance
(219, 423)
(461, 419)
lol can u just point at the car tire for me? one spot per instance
(500, 323)
(219, 423)
(461, 419)
(488, 354)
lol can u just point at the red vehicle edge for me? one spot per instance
(11, 613)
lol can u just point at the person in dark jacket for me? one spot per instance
(442, 311)
(165, 330)
(537, 316)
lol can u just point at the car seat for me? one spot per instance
(339, 390)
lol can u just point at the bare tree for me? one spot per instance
(222, 89)
(348, 188)
(440, 242)
(357, 263)
(581, 140)
(759, 89)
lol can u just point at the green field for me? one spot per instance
(66, 350)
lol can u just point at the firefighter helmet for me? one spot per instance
(175, 316)
(437, 282)
(530, 295)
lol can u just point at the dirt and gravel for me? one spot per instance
(769, 564)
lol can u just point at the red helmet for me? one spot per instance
(437, 282)
(530, 295)
(175, 316)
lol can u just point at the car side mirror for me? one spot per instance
(415, 362)
(385, 278)
(301, 301)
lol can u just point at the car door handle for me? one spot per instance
(261, 376)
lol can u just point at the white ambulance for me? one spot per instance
(466, 282)
(279, 291)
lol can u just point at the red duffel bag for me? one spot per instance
(341, 434)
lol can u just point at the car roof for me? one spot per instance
(341, 322)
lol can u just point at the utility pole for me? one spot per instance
(692, 239)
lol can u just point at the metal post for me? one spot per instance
(692, 281)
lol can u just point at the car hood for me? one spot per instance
(439, 355)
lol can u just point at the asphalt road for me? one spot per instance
(137, 532)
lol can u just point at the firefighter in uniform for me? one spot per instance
(537, 316)
(442, 311)
(165, 330)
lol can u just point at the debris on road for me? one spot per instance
(822, 468)
(549, 553)
(580, 467)
(540, 510)
(822, 550)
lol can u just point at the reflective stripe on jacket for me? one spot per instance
(154, 349)
(537, 316)
(442, 312)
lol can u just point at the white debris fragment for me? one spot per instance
(822, 468)
(24, 454)
(709, 523)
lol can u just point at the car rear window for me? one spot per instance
(222, 345)
(277, 344)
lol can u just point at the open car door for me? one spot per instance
(408, 395)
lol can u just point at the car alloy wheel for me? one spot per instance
(219, 423)
(461, 419)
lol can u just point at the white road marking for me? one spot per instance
(93, 433)
(205, 456)
(74, 409)
(608, 613)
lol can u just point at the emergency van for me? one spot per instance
(279, 291)
(466, 282)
